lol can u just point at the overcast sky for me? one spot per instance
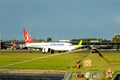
(59, 19)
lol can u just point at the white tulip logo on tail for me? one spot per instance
(27, 37)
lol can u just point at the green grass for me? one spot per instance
(58, 62)
(9, 57)
(110, 60)
(61, 62)
(112, 57)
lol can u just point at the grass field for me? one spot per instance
(27, 60)
(60, 61)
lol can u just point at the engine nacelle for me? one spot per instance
(45, 50)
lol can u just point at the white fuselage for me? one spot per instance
(49, 46)
(59, 46)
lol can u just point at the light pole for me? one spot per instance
(0, 39)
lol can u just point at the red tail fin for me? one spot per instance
(27, 37)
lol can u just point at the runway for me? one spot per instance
(31, 77)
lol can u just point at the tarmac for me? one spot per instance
(31, 74)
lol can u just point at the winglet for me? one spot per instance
(79, 45)
(27, 37)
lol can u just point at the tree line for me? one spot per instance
(115, 38)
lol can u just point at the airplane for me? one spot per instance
(49, 46)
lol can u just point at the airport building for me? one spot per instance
(99, 43)
(96, 42)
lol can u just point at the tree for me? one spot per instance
(116, 38)
(41, 40)
(49, 39)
